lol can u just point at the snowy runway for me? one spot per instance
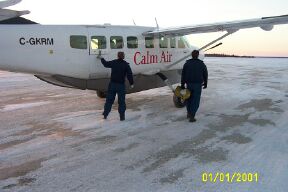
(54, 139)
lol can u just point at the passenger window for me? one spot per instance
(116, 42)
(149, 42)
(181, 43)
(163, 42)
(78, 41)
(98, 42)
(173, 42)
(132, 42)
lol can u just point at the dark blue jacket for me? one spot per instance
(194, 71)
(119, 70)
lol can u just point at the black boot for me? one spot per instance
(104, 115)
(192, 118)
(189, 115)
(122, 117)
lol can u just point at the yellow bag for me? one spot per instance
(182, 93)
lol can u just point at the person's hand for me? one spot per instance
(204, 86)
(183, 86)
(131, 86)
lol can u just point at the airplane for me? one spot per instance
(66, 55)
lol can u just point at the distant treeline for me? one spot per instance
(225, 55)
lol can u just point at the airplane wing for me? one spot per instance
(266, 23)
(7, 13)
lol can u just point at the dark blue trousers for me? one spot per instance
(194, 101)
(113, 89)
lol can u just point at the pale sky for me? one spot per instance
(174, 13)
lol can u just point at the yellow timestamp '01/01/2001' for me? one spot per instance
(235, 177)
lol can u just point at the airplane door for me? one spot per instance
(97, 47)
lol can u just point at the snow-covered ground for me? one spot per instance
(54, 139)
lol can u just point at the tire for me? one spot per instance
(101, 94)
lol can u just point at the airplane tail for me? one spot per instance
(8, 3)
(6, 14)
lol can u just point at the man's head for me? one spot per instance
(195, 54)
(121, 55)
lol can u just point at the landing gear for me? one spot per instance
(101, 94)
(178, 102)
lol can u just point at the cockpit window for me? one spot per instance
(98, 42)
(149, 42)
(78, 41)
(181, 43)
(172, 42)
(184, 41)
(163, 42)
(116, 42)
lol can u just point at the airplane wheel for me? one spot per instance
(101, 94)
(178, 102)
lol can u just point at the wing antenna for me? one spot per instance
(156, 23)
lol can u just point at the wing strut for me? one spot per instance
(212, 42)
(222, 37)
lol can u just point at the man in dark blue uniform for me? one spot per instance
(120, 69)
(194, 75)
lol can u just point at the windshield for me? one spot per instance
(186, 41)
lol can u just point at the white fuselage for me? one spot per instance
(47, 50)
